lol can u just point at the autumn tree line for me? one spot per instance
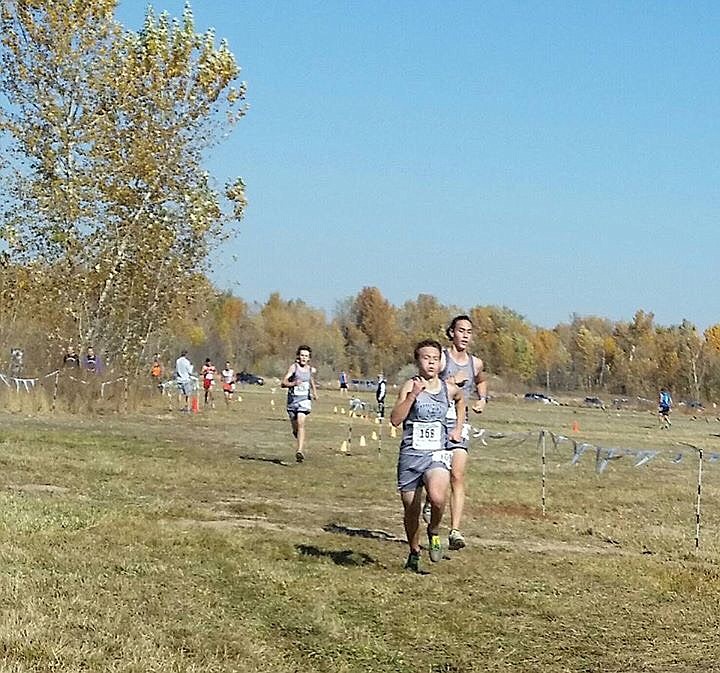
(367, 334)
(109, 218)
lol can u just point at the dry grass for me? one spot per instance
(167, 542)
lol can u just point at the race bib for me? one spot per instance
(301, 388)
(444, 457)
(427, 436)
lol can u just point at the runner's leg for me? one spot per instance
(411, 518)
(457, 482)
(299, 426)
(437, 481)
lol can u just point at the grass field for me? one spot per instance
(160, 541)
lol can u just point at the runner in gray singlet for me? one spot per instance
(466, 371)
(428, 410)
(298, 397)
(423, 459)
(301, 390)
(463, 376)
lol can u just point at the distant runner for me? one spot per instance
(301, 391)
(208, 373)
(227, 376)
(664, 408)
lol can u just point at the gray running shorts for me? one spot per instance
(413, 465)
(301, 407)
(464, 442)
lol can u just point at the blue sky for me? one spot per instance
(553, 157)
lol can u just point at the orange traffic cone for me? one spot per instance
(194, 406)
(576, 426)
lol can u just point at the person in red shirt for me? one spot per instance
(208, 374)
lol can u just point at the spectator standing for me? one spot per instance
(156, 371)
(71, 358)
(183, 375)
(343, 379)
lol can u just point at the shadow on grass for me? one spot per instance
(362, 532)
(347, 557)
(264, 459)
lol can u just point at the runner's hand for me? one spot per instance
(479, 406)
(418, 385)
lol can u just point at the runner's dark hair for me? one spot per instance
(427, 342)
(455, 321)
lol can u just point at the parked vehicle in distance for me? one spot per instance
(541, 397)
(364, 384)
(693, 404)
(594, 402)
(247, 377)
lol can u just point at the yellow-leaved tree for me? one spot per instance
(104, 192)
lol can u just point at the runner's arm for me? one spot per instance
(286, 382)
(406, 398)
(480, 387)
(461, 411)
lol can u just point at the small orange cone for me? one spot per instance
(195, 405)
(576, 426)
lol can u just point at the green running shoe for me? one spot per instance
(413, 562)
(435, 546)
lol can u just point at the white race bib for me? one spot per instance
(427, 436)
(302, 388)
(444, 457)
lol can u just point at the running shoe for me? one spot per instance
(299, 456)
(435, 546)
(413, 562)
(427, 511)
(456, 540)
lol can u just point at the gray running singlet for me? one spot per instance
(425, 429)
(299, 395)
(452, 368)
